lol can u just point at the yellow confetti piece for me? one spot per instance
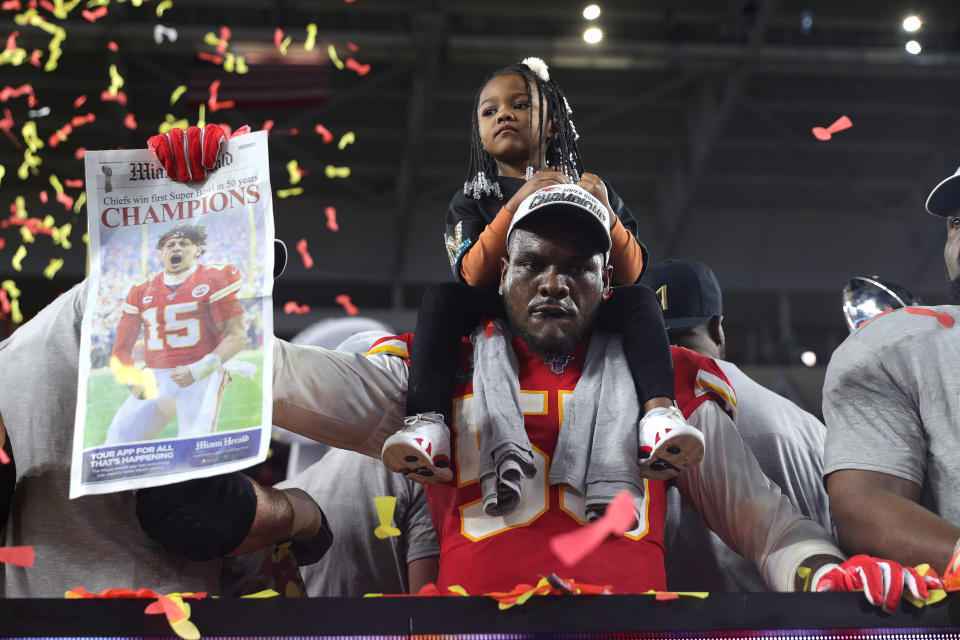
(48, 221)
(172, 123)
(18, 258)
(61, 236)
(3, 172)
(30, 163)
(332, 52)
(337, 172)
(86, 238)
(284, 44)
(242, 65)
(202, 116)
(292, 169)
(52, 268)
(132, 376)
(81, 200)
(55, 183)
(286, 193)
(311, 41)
(179, 91)
(283, 550)
(703, 595)
(29, 133)
(27, 236)
(116, 81)
(211, 39)
(15, 314)
(11, 288)
(805, 573)
(163, 6)
(385, 506)
(20, 205)
(458, 589)
(228, 63)
(348, 138)
(266, 593)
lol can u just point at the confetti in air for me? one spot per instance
(323, 131)
(304, 254)
(574, 546)
(280, 41)
(331, 214)
(160, 32)
(337, 172)
(385, 506)
(824, 134)
(163, 6)
(348, 138)
(311, 40)
(179, 91)
(332, 52)
(361, 69)
(296, 173)
(344, 301)
(286, 193)
(293, 307)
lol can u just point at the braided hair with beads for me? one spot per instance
(560, 153)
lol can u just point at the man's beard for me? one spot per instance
(953, 287)
(554, 345)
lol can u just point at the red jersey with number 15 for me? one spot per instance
(180, 324)
(483, 553)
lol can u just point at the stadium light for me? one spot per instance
(912, 23)
(808, 358)
(593, 35)
(913, 47)
(591, 11)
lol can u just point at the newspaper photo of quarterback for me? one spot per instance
(192, 326)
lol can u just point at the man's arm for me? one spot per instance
(234, 334)
(8, 476)
(422, 571)
(877, 514)
(747, 510)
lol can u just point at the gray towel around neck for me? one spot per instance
(597, 449)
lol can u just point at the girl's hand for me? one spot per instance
(539, 180)
(592, 183)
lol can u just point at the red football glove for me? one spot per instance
(185, 154)
(881, 581)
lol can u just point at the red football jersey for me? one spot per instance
(180, 325)
(483, 553)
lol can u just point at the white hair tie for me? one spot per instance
(538, 66)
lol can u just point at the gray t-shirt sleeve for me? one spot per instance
(418, 527)
(873, 423)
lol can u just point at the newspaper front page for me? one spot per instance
(176, 353)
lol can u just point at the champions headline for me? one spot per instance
(156, 210)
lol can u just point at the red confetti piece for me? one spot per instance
(944, 319)
(2, 244)
(82, 120)
(79, 101)
(304, 254)
(352, 47)
(44, 197)
(130, 122)
(74, 184)
(224, 39)
(344, 301)
(113, 46)
(826, 133)
(45, 4)
(331, 214)
(79, 153)
(60, 135)
(361, 69)
(267, 125)
(322, 130)
(12, 41)
(23, 90)
(65, 200)
(165, 605)
(11, 5)
(19, 556)
(293, 307)
(35, 57)
(94, 15)
(286, 132)
(572, 547)
(108, 594)
(209, 57)
(120, 97)
(4, 458)
(6, 124)
(349, 1)
(278, 37)
(4, 300)
(666, 595)
(33, 225)
(213, 103)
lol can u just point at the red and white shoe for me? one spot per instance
(420, 450)
(668, 445)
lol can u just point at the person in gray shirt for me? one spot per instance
(786, 440)
(890, 404)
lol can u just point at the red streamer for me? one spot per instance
(344, 301)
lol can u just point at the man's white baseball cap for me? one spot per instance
(567, 197)
(944, 200)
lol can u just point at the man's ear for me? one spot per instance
(715, 331)
(607, 278)
(504, 265)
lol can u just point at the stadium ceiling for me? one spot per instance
(698, 112)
